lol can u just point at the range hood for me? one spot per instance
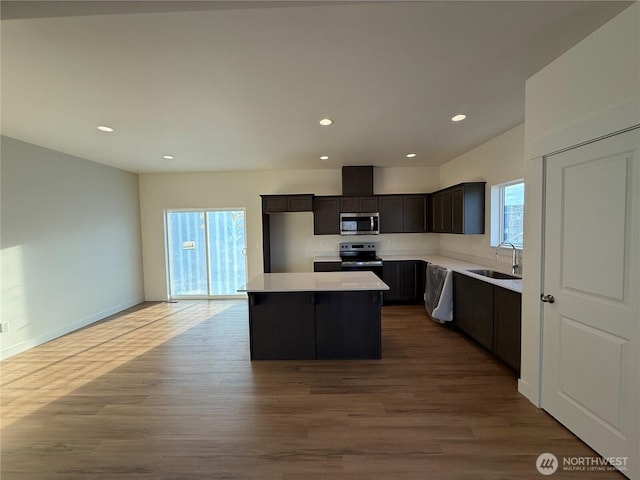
(357, 180)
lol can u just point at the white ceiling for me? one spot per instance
(242, 85)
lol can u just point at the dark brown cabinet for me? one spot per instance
(308, 325)
(441, 217)
(415, 213)
(398, 213)
(405, 280)
(348, 325)
(403, 213)
(507, 309)
(391, 213)
(473, 308)
(489, 314)
(359, 204)
(459, 209)
(281, 326)
(287, 203)
(327, 266)
(463, 302)
(391, 275)
(357, 180)
(326, 215)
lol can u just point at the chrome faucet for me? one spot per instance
(515, 266)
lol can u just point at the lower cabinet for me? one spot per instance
(348, 325)
(282, 326)
(489, 314)
(327, 266)
(507, 314)
(405, 280)
(308, 325)
(473, 308)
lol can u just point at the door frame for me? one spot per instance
(604, 124)
(239, 295)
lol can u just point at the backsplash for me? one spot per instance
(293, 245)
(476, 249)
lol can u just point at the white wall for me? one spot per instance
(499, 160)
(293, 242)
(591, 90)
(70, 243)
(597, 75)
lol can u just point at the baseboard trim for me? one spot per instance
(525, 389)
(58, 332)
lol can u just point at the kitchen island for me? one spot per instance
(323, 315)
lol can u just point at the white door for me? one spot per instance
(590, 372)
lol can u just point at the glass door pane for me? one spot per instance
(187, 253)
(227, 249)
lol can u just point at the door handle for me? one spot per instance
(547, 298)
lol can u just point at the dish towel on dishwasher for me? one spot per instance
(438, 297)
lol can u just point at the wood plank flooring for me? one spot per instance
(167, 391)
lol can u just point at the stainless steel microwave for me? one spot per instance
(359, 223)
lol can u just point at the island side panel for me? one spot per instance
(348, 325)
(281, 326)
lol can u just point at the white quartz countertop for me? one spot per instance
(314, 282)
(453, 264)
(463, 267)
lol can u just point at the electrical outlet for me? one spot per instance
(4, 327)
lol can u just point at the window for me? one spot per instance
(507, 213)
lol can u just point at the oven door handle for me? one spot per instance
(349, 263)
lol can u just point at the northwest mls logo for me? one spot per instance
(547, 464)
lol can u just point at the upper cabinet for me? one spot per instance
(459, 209)
(326, 215)
(441, 214)
(404, 213)
(368, 204)
(287, 203)
(416, 213)
(391, 213)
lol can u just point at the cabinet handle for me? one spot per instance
(313, 299)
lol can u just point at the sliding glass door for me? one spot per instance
(206, 252)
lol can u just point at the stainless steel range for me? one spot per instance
(360, 256)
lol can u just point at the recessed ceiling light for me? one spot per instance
(168, 157)
(324, 157)
(458, 118)
(411, 155)
(104, 128)
(325, 122)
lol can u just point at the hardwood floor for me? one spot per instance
(167, 391)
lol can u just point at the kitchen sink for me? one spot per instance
(494, 274)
